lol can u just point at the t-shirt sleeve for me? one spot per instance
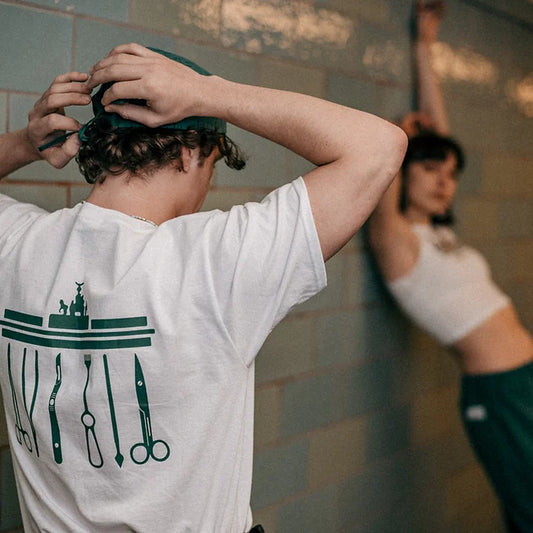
(269, 260)
(14, 216)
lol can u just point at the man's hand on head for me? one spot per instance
(47, 119)
(172, 91)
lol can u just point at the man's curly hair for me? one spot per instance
(142, 150)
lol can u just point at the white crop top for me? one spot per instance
(449, 292)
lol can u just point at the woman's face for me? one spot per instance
(430, 187)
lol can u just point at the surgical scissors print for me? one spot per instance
(158, 450)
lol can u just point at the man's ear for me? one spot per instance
(186, 158)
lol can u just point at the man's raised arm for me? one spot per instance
(46, 119)
(357, 154)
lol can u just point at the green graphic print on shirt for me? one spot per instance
(72, 329)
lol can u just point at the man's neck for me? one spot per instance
(160, 196)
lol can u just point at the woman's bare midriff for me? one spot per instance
(500, 343)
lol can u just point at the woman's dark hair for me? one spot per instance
(429, 146)
(142, 150)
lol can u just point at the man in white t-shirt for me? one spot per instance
(131, 321)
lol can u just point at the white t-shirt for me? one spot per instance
(127, 356)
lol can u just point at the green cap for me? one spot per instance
(189, 123)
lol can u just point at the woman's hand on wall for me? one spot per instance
(429, 14)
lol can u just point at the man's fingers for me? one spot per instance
(71, 146)
(69, 87)
(119, 59)
(116, 72)
(70, 76)
(125, 54)
(137, 113)
(132, 49)
(56, 102)
(51, 123)
(59, 156)
(126, 90)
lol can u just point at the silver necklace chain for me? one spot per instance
(144, 220)
(137, 217)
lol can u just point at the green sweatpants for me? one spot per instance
(497, 411)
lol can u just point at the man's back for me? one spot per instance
(143, 375)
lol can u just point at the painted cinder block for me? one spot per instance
(337, 452)
(25, 64)
(516, 219)
(95, 39)
(370, 387)
(383, 54)
(79, 193)
(422, 366)
(514, 8)
(338, 335)
(47, 197)
(267, 416)
(21, 104)
(466, 489)
(522, 259)
(311, 403)
(234, 66)
(417, 509)
(521, 294)
(315, 512)
(42, 171)
(439, 459)
(267, 517)
(387, 432)
(470, 179)
(288, 351)
(279, 472)
(198, 20)
(345, 337)
(474, 521)
(508, 175)
(385, 101)
(10, 517)
(115, 10)
(363, 281)
(434, 415)
(379, 11)
(278, 74)
(298, 166)
(366, 495)
(266, 164)
(477, 219)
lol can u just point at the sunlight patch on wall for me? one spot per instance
(385, 56)
(283, 25)
(203, 14)
(463, 65)
(521, 93)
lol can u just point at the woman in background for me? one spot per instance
(446, 288)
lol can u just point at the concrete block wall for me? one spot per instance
(356, 422)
